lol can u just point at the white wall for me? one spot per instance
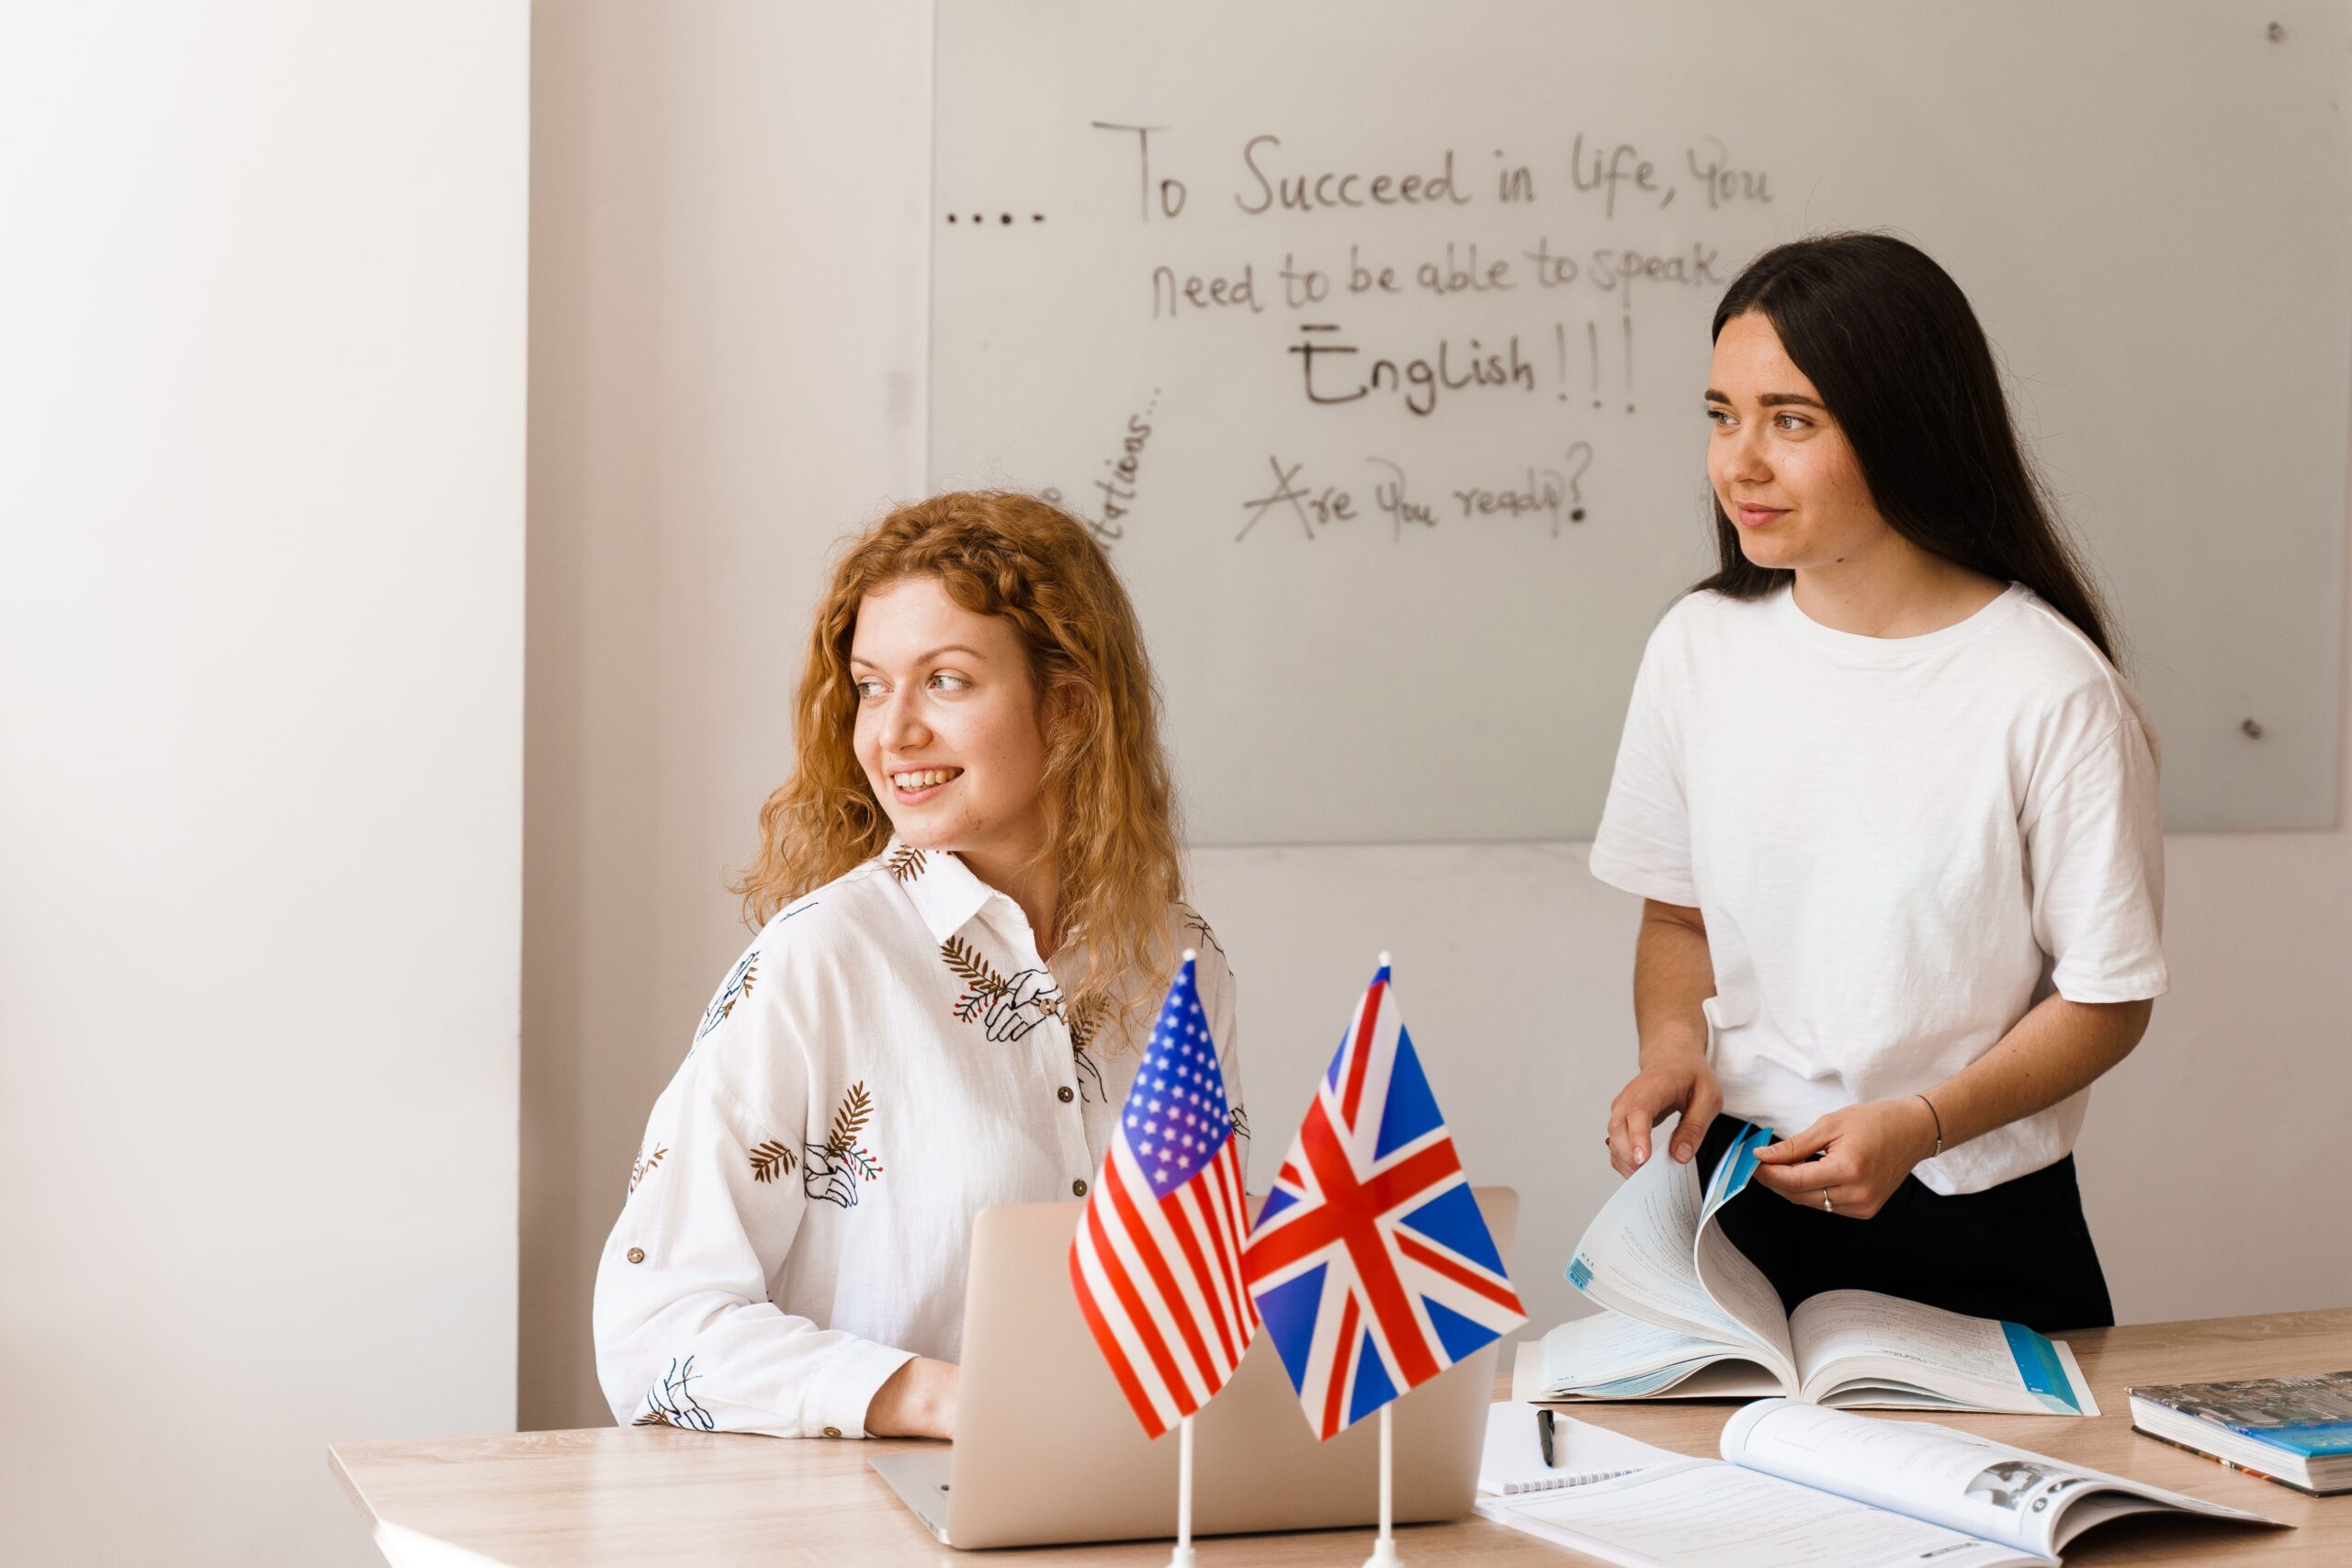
(741, 232)
(728, 212)
(261, 431)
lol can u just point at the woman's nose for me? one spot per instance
(1746, 462)
(902, 725)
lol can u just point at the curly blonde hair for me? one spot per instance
(1109, 801)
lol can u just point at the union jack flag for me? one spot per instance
(1369, 1263)
(1157, 1262)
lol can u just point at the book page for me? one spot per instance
(1735, 1170)
(1975, 1360)
(1698, 1514)
(1740, 1290)
(1635, 1257)
(1608, 1346)
(1735, 1285)
(1933, 1473)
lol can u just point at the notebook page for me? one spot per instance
(1582, 1451)
(1704, 1514)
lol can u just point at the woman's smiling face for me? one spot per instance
(1783, 470)
(947, 724)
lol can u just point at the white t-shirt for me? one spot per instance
(1899, 846)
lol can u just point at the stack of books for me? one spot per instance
(2296, 1431)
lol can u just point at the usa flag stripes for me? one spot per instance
(1157, 1260)
(1370, 1262)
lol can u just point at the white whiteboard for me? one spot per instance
(1415, 613)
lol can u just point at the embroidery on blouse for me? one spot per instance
(904, 865)
(1007, 1010)
(737, 985)
(673, 1404)
(771, 1161)
(1082, 1021)
(1198, 928)
(644, 1165)
(1240, 1122)
(1090, 1077)
(830, 1171)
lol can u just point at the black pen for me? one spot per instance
(1544, 1438)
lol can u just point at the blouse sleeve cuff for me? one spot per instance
(841, 1394)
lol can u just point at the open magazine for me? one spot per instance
(1689, 1317)
(1799, 1486)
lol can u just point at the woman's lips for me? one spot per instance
(911, 786)
(1752, 516)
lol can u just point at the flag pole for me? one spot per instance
(1383, 1550)
(1184, 1556)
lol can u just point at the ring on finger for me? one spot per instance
(1827, 1206)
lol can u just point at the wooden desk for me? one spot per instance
(646, 1494)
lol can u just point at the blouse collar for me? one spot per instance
(939, 885)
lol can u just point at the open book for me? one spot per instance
(1799, 1486)
(1690, 1317)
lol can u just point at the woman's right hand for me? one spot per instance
(1685, 1084)
(916, 1401)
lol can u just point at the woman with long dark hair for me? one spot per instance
(1892, 810)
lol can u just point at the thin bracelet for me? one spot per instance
(1939, 1122)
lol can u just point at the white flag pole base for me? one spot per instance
(1383, 1550)
(1183, 1556)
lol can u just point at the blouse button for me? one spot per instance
(832, 1431)
(1078, 1188)
(636, 1254)
(1065, 1094)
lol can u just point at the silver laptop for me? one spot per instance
(1046, 1449)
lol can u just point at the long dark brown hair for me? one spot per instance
(1889, 341)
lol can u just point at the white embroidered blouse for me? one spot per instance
(890, 1057)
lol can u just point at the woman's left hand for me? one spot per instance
(1864, 1151)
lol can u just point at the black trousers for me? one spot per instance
(2019, 1251)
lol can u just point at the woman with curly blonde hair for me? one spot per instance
(967, 898)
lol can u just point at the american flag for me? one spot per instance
(1370, 1262)
(1156, 1263)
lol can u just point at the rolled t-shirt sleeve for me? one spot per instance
(1644, 843)
(2095, 854)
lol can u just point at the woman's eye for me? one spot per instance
(868, 690)
(1719, 416)
(1792, 421)
(944, 681)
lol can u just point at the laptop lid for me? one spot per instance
(1048, 1451)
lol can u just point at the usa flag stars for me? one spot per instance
(1179, 1127)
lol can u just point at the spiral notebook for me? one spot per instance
(1512, 1461)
